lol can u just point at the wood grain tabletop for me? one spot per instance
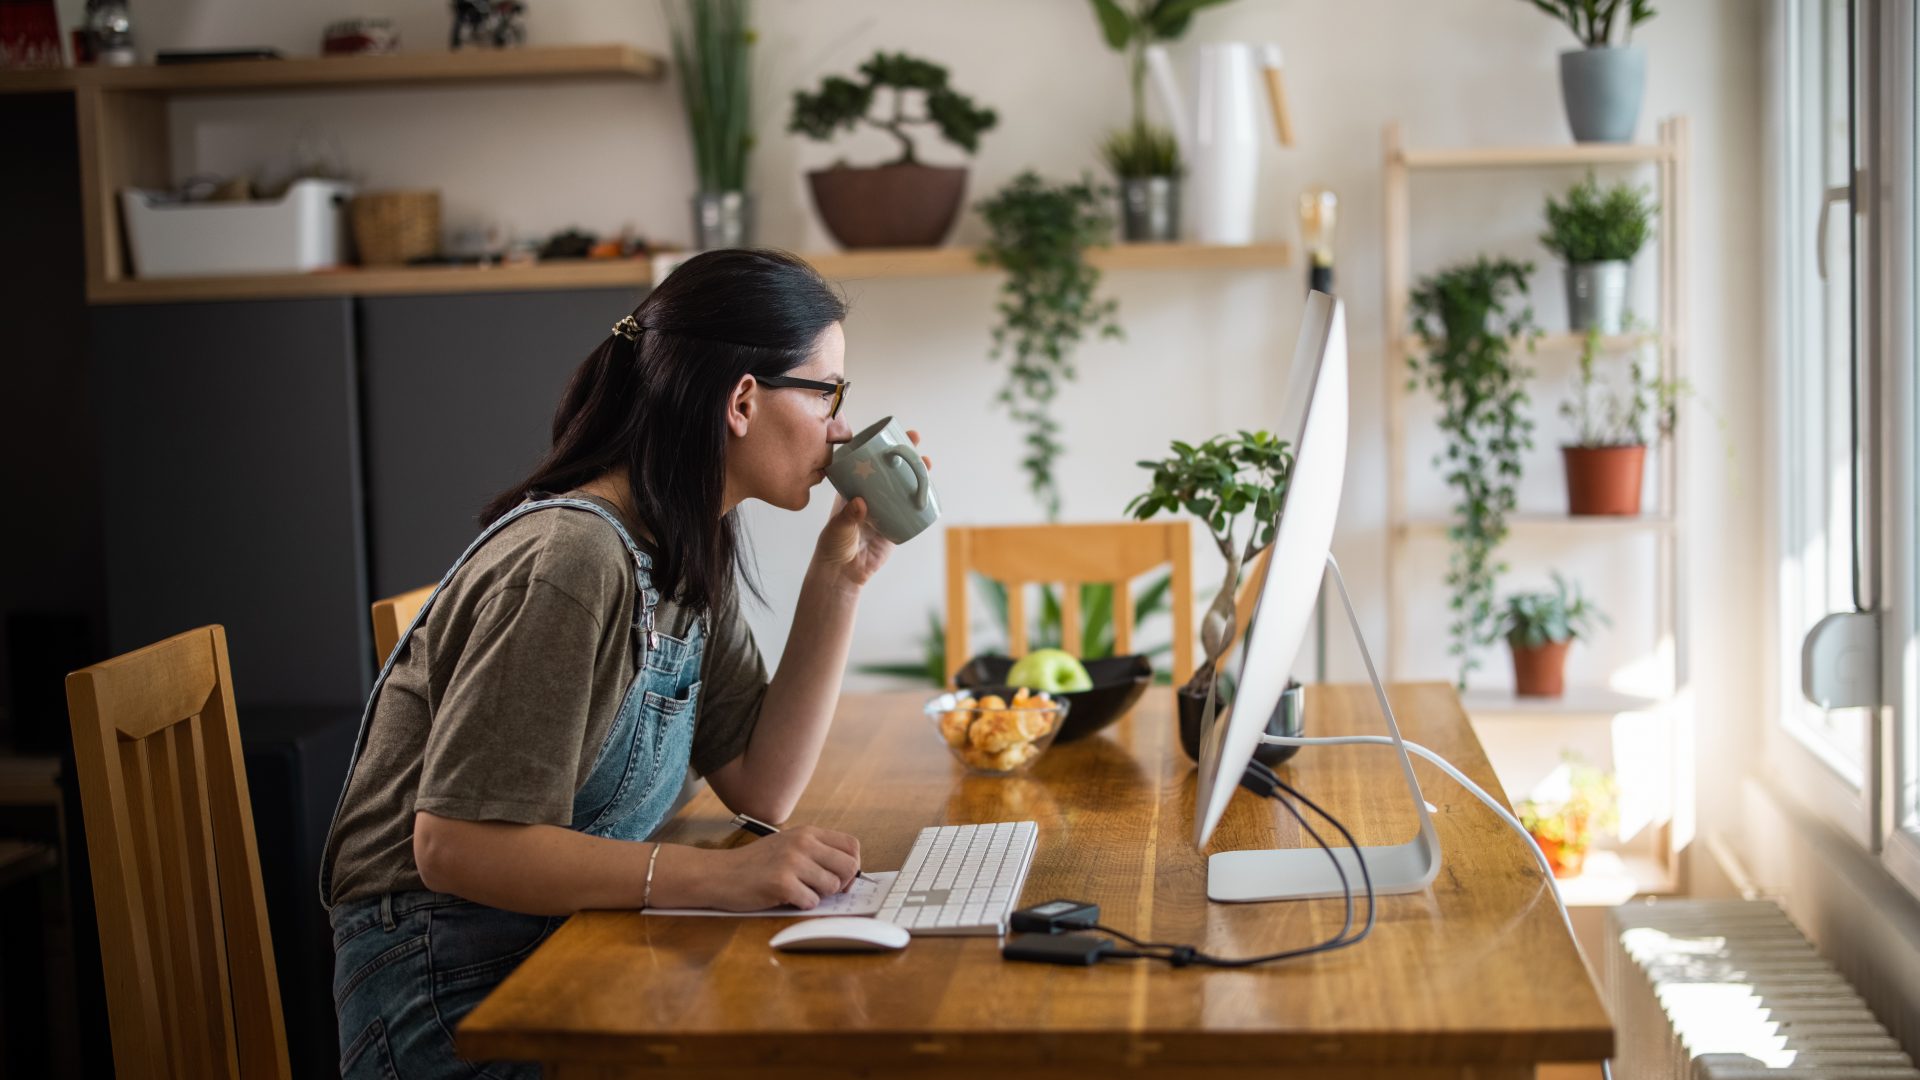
(1475, 976)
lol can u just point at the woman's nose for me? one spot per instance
(839, 431)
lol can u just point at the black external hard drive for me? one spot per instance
(1074, 950)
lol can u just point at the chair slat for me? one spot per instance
(1016, 618)
(392, 616)
(203, 896)
(187, 983)
(137, 763)
(1122, 617)
(1070, 619)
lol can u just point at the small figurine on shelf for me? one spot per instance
(111, 29)
(498, 23)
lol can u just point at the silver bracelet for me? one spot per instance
(646, 897)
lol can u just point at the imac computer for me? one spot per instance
(1315, 424)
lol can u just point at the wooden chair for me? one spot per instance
(392, 616)
(1070, 555)
(188, 957)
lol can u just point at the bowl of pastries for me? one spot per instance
(997, 733)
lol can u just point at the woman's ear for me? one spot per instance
(741, 406)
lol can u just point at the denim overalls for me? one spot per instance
(408, 966)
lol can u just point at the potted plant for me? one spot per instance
(1597, 233)
(1540, 627)
(1221, 481)
(1040, 233)
(1144, 158)
(1600, 82)
(1565, 829)
(1612, 430)
(712, 43)
(1468, 318)
(902, 203)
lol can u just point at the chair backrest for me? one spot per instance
(188, 958)
(392, 616)
(1070, 555)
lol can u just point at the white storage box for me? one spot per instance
(304, 229)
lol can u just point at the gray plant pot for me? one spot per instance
(1601, 89)
(1597, 296)
(722, 219)
(1150, 209)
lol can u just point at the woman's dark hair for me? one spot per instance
(657, 405)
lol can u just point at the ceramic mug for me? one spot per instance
(882, 466)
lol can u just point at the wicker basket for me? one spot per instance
(391, 228)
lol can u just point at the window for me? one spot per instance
(1844, 402)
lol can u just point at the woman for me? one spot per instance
(540, 717)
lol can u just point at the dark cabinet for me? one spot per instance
(460, 392)
(231, 488)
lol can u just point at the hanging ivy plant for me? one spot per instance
(1040, 235)
(1468, 318)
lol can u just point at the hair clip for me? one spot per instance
(628, 327)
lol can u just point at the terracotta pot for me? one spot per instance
(888, 206)
(1540, 672)
(1604, 479)
(1566, 862)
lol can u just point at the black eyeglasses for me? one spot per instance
(786, 382)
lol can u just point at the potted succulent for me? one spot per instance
(1540, 627)
(1039, 234)
(1601, 82)
(903, 203)
(1597, 233)
(711, 45)
(1221, 481)
(1612, 430)
(1564, 830)
(1468, 318)
(1144, 158)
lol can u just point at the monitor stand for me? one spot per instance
(1306, 873)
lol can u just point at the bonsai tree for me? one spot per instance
(1594, 226)
(843, 104)
(1222, 481)
(1539, 626)
(1040, 233)
(1141, 149)
(1468, 318)
(711, 46)
(1592, 20)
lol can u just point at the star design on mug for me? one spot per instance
(863, 469)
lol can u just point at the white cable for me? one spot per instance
(1459, 777)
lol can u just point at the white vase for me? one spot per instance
(1219, 136)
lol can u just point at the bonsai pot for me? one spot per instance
(1288, 719)
(1150, 209)
(1540, 672)
(1601, 91)
(1597, 296)
(904, 205)
(1604, 479)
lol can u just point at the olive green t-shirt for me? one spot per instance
(499, 703)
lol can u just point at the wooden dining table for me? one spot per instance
(1475, 976)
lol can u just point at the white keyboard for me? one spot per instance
(962, 879)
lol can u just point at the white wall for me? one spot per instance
(1204, 350)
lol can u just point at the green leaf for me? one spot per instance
(1116, 25)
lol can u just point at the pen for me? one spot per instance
(760, 828)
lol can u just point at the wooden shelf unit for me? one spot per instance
(124, 142)
(1668, 156)
(951, 261)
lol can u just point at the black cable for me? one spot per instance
(1265, 782)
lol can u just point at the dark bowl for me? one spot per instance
(1118, 682)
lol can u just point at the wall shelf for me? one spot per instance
(951, 261)
(531, 63)
(1555, 524)
(1579, 702)
(1533, 157)
(1411, 345)
(378, 281)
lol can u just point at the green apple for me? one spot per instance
(1052, 670)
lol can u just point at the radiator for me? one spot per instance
(1731, 990)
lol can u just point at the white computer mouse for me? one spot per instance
(841, 933)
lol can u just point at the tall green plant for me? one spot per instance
(1219, 481)
(1143, 150)
(1468, 323)
(1592, 20)
(712, 49)
(1599, 226)
(1040, 233)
